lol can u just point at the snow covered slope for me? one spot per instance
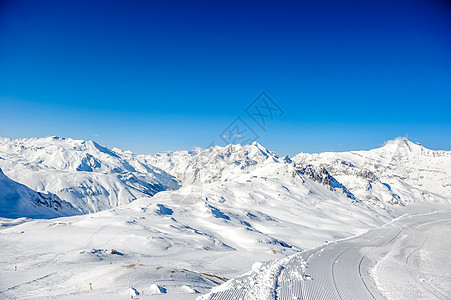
(84, 173)
(194, 237)
(17, 200)
(405, 259)
(397, 173)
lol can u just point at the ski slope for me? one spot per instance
(404, 259)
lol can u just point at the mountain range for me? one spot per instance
(93, 178)
(186, 221)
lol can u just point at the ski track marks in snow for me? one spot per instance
(382, 263)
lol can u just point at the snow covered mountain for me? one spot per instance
(84, 173)
(215, 163)
(222, 210)
(397, 173)
(94, 178)
(235, 163)
(190, 239)
(17, 200)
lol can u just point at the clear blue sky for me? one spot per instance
(150, 76)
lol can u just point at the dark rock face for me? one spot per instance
(322, 176)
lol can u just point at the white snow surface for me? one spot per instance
(213, 214)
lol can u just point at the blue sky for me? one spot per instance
(150, 76)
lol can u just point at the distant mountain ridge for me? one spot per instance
(397, 173)
(213, 164)
(93, 178)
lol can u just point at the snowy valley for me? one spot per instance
(76, 215)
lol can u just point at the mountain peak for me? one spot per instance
(400, 140)
(401, 143)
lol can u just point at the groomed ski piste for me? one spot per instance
(404, 259)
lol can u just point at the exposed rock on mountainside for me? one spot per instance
(320, 175)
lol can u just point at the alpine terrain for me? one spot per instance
(81, 221)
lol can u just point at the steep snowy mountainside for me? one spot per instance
(321, 175)
(398, 172)
(215, 163)
(84, 173)
(17, 200)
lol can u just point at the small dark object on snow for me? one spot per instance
(114, 251)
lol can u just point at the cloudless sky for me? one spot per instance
(150, 76)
